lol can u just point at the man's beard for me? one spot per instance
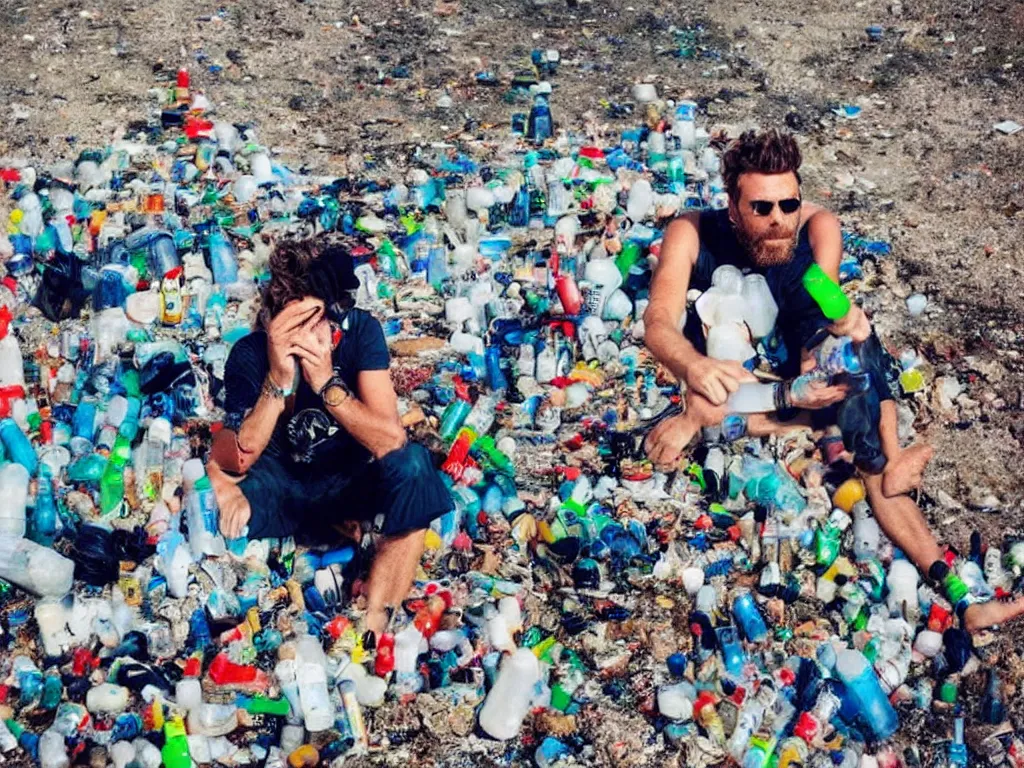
(764, 253)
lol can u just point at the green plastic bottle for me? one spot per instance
(112, 485)
(175, 752)
(628, 256)
(826, 293)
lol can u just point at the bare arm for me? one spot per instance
(371, 416)
(372, 419)
(826, 236)
(671, 281)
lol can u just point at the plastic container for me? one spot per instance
(753, 397)
(508, 702)
(748, 618)
(829, 296)
(760, 309)
(311, 676)
(35, 568)
(18, 446)
(13, 498)
(863, 687)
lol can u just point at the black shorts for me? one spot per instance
(400, 492)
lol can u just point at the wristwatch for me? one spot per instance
(335, 391)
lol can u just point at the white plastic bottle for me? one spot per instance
(508, 702)
(35, 568)
(604, 278)
(311, 676)
(865, 532)
(902, 583)
(752, 398)
(13, 498)
(53, 753)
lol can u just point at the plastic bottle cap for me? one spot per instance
(160, 429)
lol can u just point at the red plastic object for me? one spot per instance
(384, 662)
(183, 80)
(10, 175)
(428, 618)
(569, 294)
(806, 727)
(223, 671)
(939, 619)
(455, 464)
(198, 128)
(336, 627)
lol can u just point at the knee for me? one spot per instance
(409, 463)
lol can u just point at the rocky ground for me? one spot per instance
(921, 166)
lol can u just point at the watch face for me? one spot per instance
(334, 395)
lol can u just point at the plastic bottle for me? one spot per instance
(12, 365)
(760, 309)
(748, 617)
(223, 261)
(684, 124)
(753, 397)
(749, 720)
(837, 355)
(112, 485)
(175, 752)
(862, 685)
(201, 515)
(311, 676)
(538, 125)
(35, 568)
(508, 702)
(829, 296)
(44, 516)
(53, 752)
(13, 499)
(18, 446)
(866, 532)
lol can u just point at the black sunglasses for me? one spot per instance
(764, 207)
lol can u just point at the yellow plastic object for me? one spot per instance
(305, 756)
(431, 540)
(848, 494)
(911, 381)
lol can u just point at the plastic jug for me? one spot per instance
(508, 702)
(760, 309)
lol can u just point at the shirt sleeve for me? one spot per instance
(244, 372)
(370, 348)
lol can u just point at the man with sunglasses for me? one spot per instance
(767, 228)
(312, 434)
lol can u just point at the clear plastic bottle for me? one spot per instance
(311, 676)
(508, 702)
(862, 685)
(754, 397)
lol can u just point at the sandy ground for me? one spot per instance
(921, 166)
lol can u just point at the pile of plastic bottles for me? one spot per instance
(131, 271)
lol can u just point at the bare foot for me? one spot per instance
(983, 615)
(234, 507)
(904, 473)
(375, 620)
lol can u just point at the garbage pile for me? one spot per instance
(746, 606)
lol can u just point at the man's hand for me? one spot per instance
(280, 337)
(716, 379)
(667, 441)
(853, 324)
(818, 393)
(313, 349)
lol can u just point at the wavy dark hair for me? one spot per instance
(297, 271)
(769, 151)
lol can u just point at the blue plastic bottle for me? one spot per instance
(538, 125)
(862, 686)
(84, 423)
(732, 651)
(44, 519)
(223, 261)
(748, 617)
(17, 445)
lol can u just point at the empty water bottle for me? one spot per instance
(508, 702)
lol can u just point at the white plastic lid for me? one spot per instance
(191, 471)
(160, 429)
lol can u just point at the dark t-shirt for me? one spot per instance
(799, 317)
(311, 440)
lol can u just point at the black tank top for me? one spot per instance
(799, 318)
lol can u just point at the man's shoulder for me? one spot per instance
(250, 348)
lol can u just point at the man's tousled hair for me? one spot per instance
(769, 151)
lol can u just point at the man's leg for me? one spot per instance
(902, 521)
(904, 469)
(404, 492)
(263, 500)
(391, 575)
